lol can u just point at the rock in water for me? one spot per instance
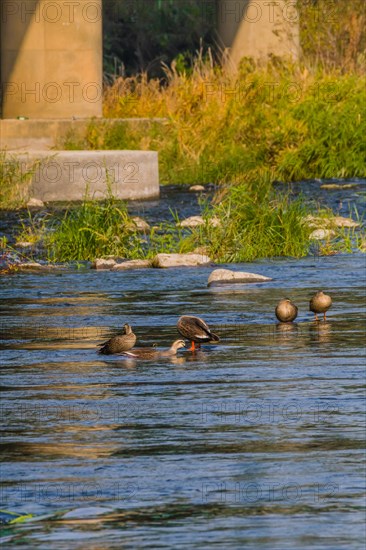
(226, 276)
(180, 260)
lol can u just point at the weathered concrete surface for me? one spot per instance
(51, 58)
(65, 175)
(37, 134)
(258, 29)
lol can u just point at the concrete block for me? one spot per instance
(66, 175)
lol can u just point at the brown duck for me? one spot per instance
(120, 343)
(320, 303)
(286, 311)
(196, 331)
(152, 353)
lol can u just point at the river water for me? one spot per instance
(256, 442)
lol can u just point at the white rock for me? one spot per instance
(221, 276)
(320, 234)
(193, 221)
(315, 221)
(141, 224)
(180, 260)
(23, 244)
(196, 188)
(36, 203)
(132, 264)
(196, 221)
(215, 222)
(339, 221)
(101, 263)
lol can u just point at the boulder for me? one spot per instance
(320, 234)
(132, 264)
(101, 263)
(196, 188)
(225, 276)
(35, 203)
(180, 260)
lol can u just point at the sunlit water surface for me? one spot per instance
(256, 443)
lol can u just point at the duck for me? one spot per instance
(119, 343)
(320, 303)
(152, 353)
(196, 331)
(286, 311)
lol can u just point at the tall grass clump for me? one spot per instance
(93, 229)
(255, 221)
(15, 181)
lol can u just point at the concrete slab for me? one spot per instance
(66, 175)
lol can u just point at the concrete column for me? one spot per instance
(51, 58)
(258, 28)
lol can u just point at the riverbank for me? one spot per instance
(310, 217)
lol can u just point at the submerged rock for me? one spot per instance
(35, 266)
(222, 276)
(320, 234)
(101, 263)
(35, 203)
(196, 188)
(338, 185)
(180, 260)
(132, 264)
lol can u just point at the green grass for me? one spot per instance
(15, 181)
(253, 220)
(223, 128)
(94, 229)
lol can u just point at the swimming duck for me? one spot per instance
(195, 330)
(120, 343)
(320, 303)
(286, 311)
(152, 353)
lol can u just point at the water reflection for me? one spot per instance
(224, 446)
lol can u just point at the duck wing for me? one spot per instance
(195, 328)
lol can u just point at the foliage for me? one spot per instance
(15, 180)
(225, 128)
(92, 229)
(255, 221)
(140, 35)
(332, 33)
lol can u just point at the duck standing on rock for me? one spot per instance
(118, 344)
(286, 311)
(152, 353)
(196, 331)
(320, 303)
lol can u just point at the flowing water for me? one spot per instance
(256, 442)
